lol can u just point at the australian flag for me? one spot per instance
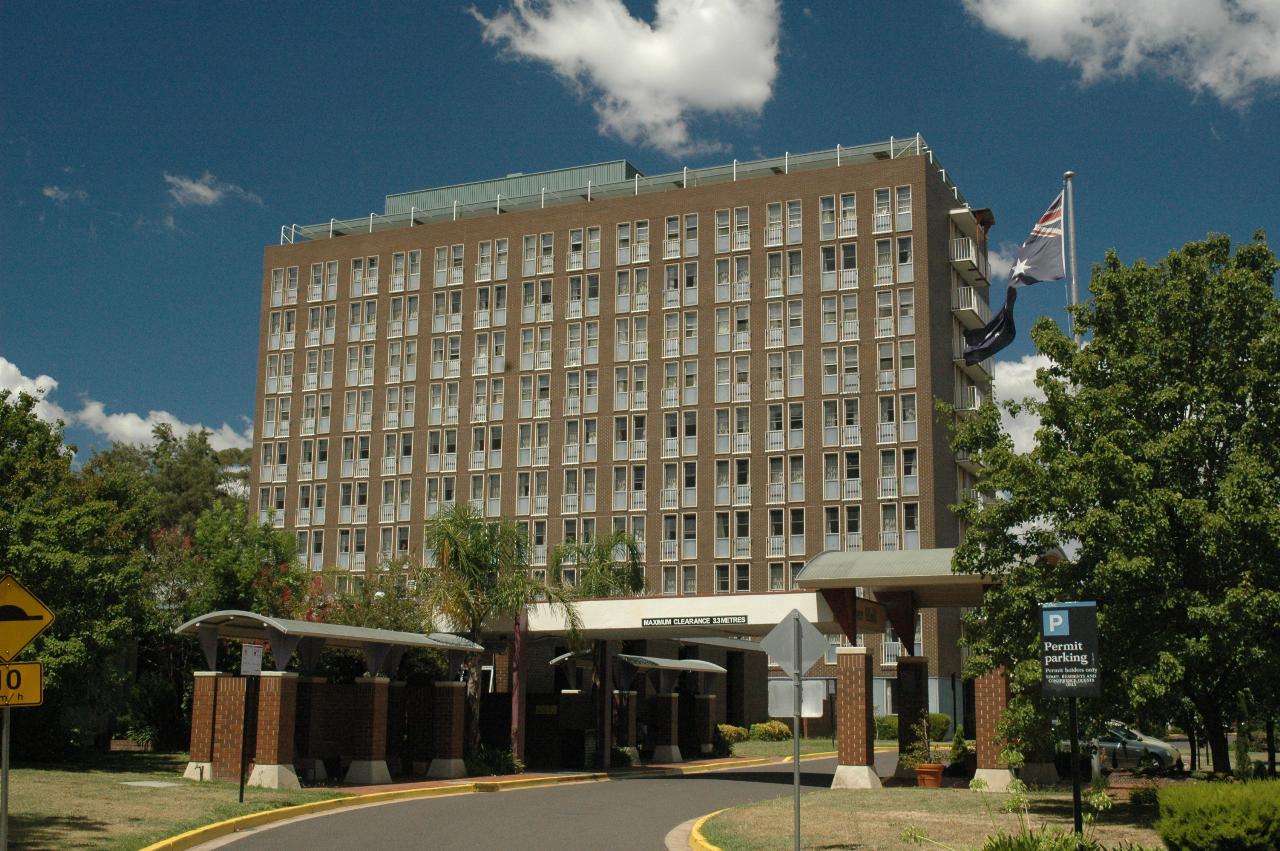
(1041, 258)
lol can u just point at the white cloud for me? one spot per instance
(1000, 261)
(647, 80)
(1229, 48)
(205, 191)
(1013, 381)
(61, 196)
(125, 427)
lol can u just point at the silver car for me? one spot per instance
(1124, 747)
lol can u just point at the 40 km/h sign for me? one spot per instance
(21, 684)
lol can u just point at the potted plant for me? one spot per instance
(922, 757)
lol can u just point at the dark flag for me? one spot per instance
(1041, 257)
(982, 343)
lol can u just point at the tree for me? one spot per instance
(1157, 466)
(69, 539)
(608, 566)
(477, 573)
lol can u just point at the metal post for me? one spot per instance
(786, 169)
(588, 190)
(413, 214)
(4, 784)
(837, 154)
(1071, 247)
(795, 732)
(498, 204)
(685, 178)
(735, 169)
(250, 688)
(1075, 772)
(455, 209)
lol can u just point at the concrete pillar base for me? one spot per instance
(198, 771)
(367, 772)
(311, 769)
(706, 748)
(447, 769)
(273, 777)
(667, 753)
(997, 779)
(855, 777)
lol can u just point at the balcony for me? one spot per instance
(775, 492)
(773, 287)
(741, 240)
(848, 279)
(742, 548)
(969, 261)
(639, 500)
(884, 275)
(882, 221)
(853, 542)
(852, 489)
(773, 234)
(670, 550)
(970, 307)
(849, 330)
(848, 227)
(980, 371)
(670, 249)
(742, 442)
(888, 487)
(774, 545)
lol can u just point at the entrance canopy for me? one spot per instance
(309, 638)
(927, 573)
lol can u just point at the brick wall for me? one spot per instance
(277, 711)
(705, 718)
(912, 697)
(855, 727)
(991, 697)
(233, 705)
(369, 719)
(419, 738)
(203, 708)
(624, 719)
(308, 731)
(396, 723)
(664, 719)
(449, 720)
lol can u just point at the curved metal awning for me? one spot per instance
(650, 663)
(286, 635)
(927, 573)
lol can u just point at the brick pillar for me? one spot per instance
(395, 726)
(277, 711)
(855, 722)
(419, 732)
(664, 721)
(704, 715)
(912, 696)
(229, 726)
(204, 701)
(309, 728)
(624, 723)
(449, 723)
(369, 732)
(991, 697)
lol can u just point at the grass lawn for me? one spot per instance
(85, 805)
(751, 748)
(958, 818)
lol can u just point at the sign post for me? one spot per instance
(251, 670)
(795, 645)
(22, 618)
(1069, 667)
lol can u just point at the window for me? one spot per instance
(689, 579)
(741, 578)
(905, 266)
(906, 312)
(722, 579)
(911, 526)
(903, 208)
(883, 221)
(826, 217)
(777, 577)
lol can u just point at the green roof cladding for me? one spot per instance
(556, 182)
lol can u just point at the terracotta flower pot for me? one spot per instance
(929, 775)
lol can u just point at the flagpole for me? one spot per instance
(1071, 247)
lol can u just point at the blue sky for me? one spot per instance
(149, 151)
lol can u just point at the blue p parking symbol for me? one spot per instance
(1055, 622)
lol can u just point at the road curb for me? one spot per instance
(218, 829)
(697, 841)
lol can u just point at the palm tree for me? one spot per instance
(608, 566)
(477, 572)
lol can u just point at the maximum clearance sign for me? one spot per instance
(705, 620)
(1069, 649)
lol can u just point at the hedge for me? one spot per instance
(1221, 816)
(770, 731)
(939, 723)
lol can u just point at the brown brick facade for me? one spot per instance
(449, 720)
(369, 720)
(419, 730)
(705, 720)
(204, 701)
(991, 698)
(624, 719)
(855, 725)
(277, 711)
(234, 706)
(912, 697)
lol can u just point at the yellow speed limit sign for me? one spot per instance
(22, 684)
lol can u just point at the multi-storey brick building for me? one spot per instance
(738, 365)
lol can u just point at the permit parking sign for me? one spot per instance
(1069, 649)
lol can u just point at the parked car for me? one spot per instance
(1123, 747)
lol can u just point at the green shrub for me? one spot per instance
(887, 727)
(620, 757)
(1145, 796)
(939, 724)
(732, 734)
(1220, 816)
(959, 749)
(492, 761)
(770, 731)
